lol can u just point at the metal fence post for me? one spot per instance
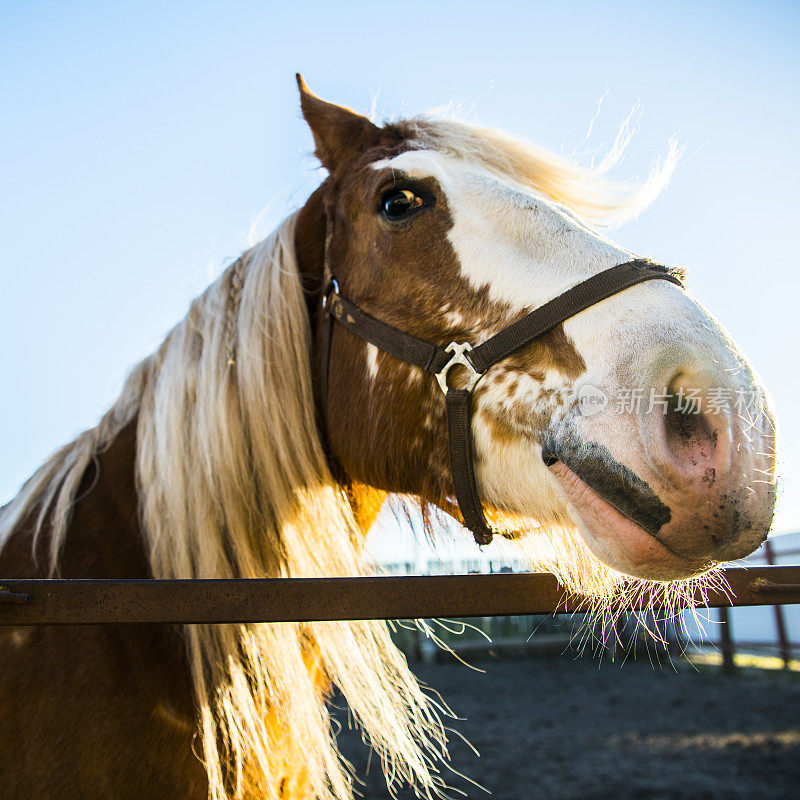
(726, 642)
(780, 624)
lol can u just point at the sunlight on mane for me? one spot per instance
(233, 483)
(585, 191)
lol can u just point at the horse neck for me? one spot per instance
(103, 539)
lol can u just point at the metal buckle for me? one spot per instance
(333, 288)
(458, 350)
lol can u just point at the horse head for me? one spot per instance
(637, 420)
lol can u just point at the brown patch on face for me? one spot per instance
(498, 426)
(520, 417)
(390, 431)
(552, 350)
(385, 419)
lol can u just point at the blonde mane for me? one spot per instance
(233, 483)
(586, 192)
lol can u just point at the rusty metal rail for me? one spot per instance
(89, 602)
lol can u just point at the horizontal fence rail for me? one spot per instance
(90, 602)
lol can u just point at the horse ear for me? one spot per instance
(339, 133)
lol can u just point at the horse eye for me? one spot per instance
(399, 204)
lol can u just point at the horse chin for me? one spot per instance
(616, 540)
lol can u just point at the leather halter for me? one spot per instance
(476, 359)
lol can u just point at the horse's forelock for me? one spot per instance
(585, 191)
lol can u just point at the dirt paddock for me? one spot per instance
(563, 729)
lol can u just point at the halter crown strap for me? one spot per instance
(439, 360)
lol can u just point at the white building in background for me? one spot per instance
(399, 545)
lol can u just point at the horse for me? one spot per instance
(228, 455)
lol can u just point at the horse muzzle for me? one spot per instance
(666, 490)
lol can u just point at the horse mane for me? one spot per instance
(586, 192)
(233, 482)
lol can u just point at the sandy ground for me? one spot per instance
(566, 729)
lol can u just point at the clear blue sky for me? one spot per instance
(139, 142)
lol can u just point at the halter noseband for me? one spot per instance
(476, 359)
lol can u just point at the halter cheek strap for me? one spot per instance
(477, 360)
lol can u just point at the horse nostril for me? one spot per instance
(691, 435)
